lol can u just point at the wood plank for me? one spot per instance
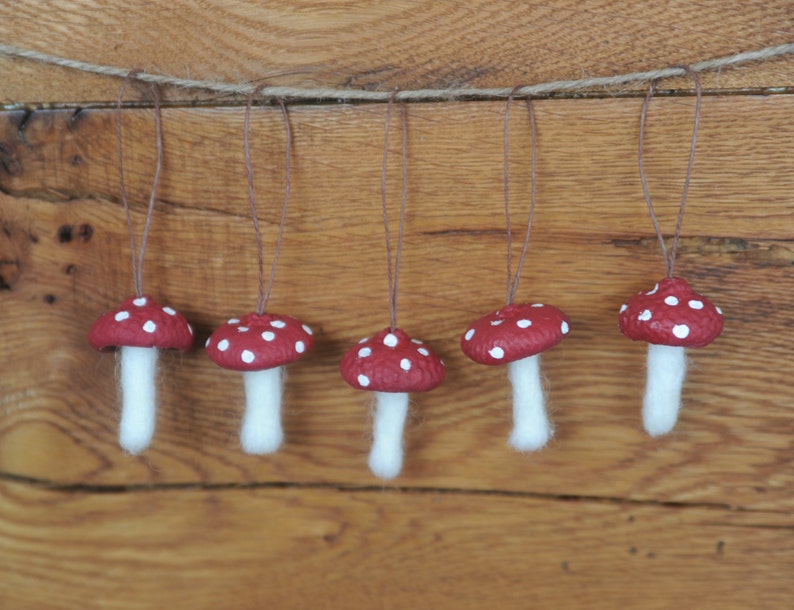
(326, 548)
(587, 163)
(377, 45)
(591, 249)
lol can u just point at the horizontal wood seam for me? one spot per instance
(234, 103)
(56, 486)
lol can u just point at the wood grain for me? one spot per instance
(378, 45)
(327, 548)
(64, 242)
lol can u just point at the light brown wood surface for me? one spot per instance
(383, 45)
(602, 518)
(329, 548)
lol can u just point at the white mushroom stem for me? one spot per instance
(666, 372)
(138, 397)
(261, 430)
(531, 427)
(386, 455)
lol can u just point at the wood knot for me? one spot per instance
(9, 160)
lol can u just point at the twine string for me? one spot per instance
(287, 189)
(418, 95)
(532, 196)
(264, 292)
(393, 268)
(513, 281)
(669, 256)
(138, 257)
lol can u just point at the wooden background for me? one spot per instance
(603, 518)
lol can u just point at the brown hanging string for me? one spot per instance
(669, 258)
(264, 293)
(393, 269)
(138, 257)
(512, 281)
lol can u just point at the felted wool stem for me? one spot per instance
(666, 372)
(138, 397)
(531, 427)
(386, 455)
(261, 430)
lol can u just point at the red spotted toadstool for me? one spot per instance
(139, 328)
(670, 317)
(260, 346)
(515, 335)
(391, 364)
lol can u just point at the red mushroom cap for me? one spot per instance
(141, 322)
(392, 362)
(256, 343)
(671, 314)
(514, 332)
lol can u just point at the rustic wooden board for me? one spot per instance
(65, 261)
(383, 45)
(327, 548)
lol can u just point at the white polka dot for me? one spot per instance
(564, 328)
(497, 352)
(242, 329)
(655, 288)
(223, 345)
(306, 329)
(278, 323)
(417, 341)
(300, 347)
(363, 380)
(169, 311)
(719, 311)
(645, 316)
(233, 321)
(537, 305)
(207, 342)
(140, 301)
(681, 331)
(405, 364)
(524, 323)
(623, 308)
(469, 334)
(695, 304)
(671, 300)
(149, 326)
(496, 322)
(364, 352)
(364, 340)
(423, 351)
(247, 356)
(190, 329)
(121, 316)
(390, 340)
(268, 336)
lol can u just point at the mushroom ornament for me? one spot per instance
(139, 328)
(391, 364)
(515, 335)
(670, 317)
(260, 346)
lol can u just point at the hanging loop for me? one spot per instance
(264, 291)
(513, 281)
(393, 268)
(669, 256)
(138, 257)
